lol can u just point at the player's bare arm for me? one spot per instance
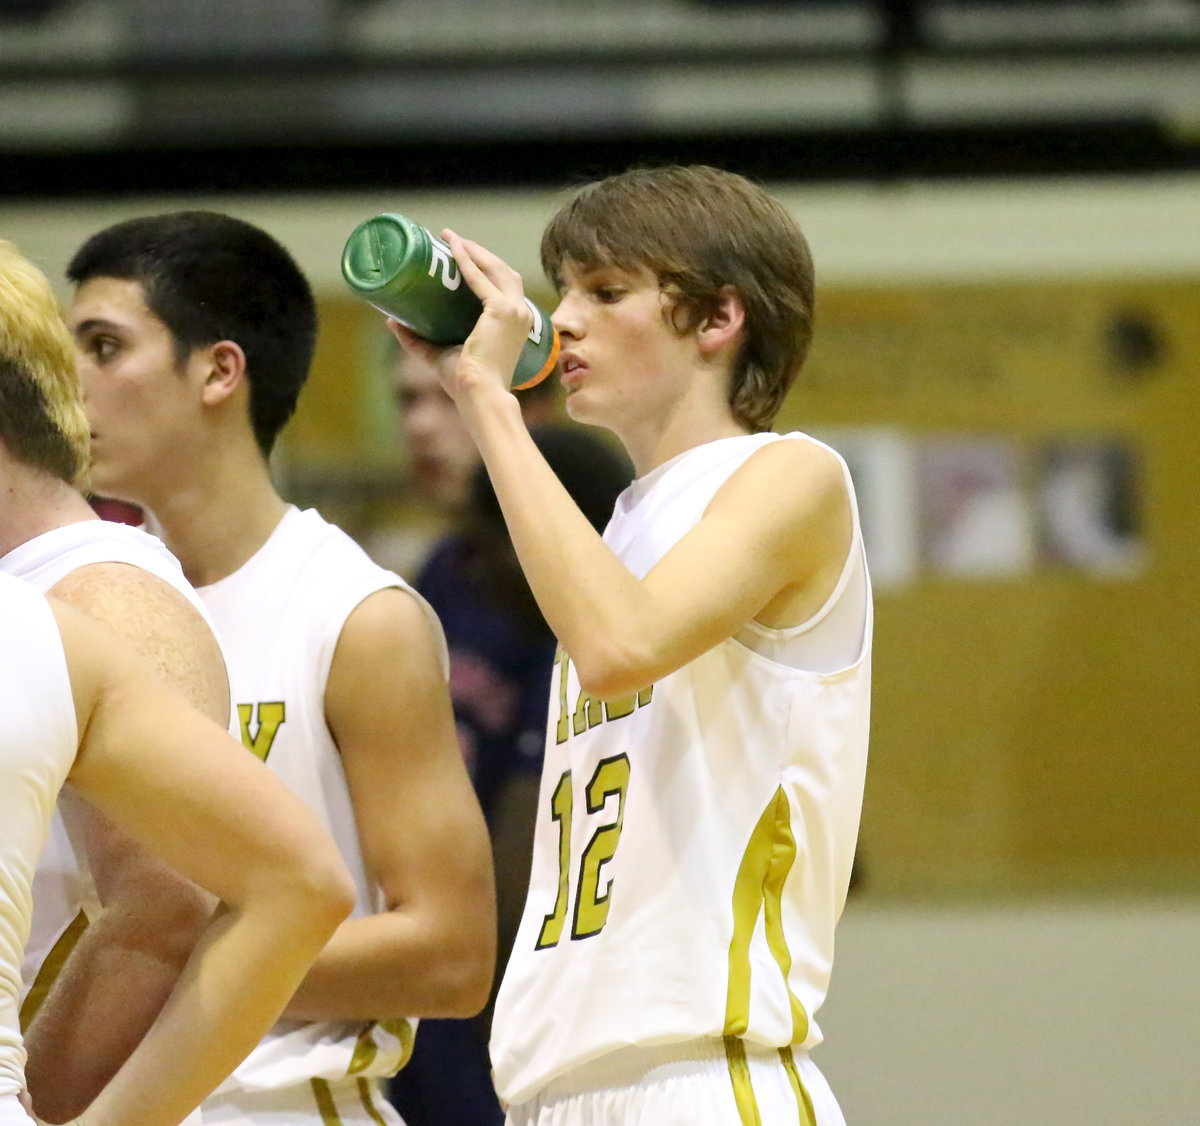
(127, 961)
(432, 952)
(771, 545)
(186, 791)
(159, 623)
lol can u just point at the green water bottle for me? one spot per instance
(409, 273)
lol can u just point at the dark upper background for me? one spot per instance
(125, 97)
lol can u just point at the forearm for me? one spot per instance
(593, 604)
(117, 979)
(234, 986)
(395, 965)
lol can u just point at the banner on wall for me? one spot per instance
(997, 432)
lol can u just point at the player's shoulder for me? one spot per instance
(146, 610)
(310, 538)
(123, 585)
(308, 565)
(799, 450)
(345, 590)
(390, 615)
(794, 467)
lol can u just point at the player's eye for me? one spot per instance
(104, 347)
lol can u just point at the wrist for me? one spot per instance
(487, 404)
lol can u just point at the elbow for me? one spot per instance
(465, 966)
(469, 984)
(610, 672)
(479, 974)
(336, 895)
(324, 892)
(609, 684)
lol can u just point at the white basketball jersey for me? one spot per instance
(62, 887)
(38, 741)
(694, 839)
(279, 618)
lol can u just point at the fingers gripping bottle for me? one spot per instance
(409, 273)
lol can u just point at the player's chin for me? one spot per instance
(102, 480)
(129, 481)
(578, 404)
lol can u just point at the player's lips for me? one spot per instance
(572, 368)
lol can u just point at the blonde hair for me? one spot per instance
(42, 421)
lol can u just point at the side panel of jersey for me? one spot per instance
(694, 840)
(279, 618)
(38, 741)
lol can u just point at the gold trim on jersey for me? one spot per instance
(367, 1047)
(327, 1104)
(51, 967)
(766, 863)
(768, 859)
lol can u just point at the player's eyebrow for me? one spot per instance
(93, 323)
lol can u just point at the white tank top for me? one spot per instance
(694, 840)
(47, 558)
(38, 741)
(62, 887)
(279, 618)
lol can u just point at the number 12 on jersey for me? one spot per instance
(610, 779)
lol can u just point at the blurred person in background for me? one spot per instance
(195, 334)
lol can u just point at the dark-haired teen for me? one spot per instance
(195, 333)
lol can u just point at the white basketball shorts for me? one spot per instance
(699, 1083)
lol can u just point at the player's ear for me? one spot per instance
(724, 321)
(227, 371)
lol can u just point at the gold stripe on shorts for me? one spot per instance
(739, 1076)
(325, 1103)
(743, 1088)
(808, 1116)
(366, 1090)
